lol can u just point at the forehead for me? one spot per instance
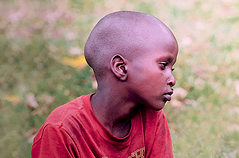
(157, 42)
(164, 52)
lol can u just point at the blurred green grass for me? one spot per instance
(35, 36)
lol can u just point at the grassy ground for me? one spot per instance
(39, 69)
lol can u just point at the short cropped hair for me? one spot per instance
(116, 33)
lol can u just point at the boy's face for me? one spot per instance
(150, 74)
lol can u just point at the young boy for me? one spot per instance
(132, 55)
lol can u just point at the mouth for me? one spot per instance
(167, 96)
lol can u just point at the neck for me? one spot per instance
(114, 112)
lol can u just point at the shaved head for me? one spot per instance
(123, 33)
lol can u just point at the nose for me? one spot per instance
(171, 80)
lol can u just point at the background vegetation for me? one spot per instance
(41, 67)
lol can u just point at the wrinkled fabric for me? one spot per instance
(72, 130)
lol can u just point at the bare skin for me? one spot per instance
(135, 69)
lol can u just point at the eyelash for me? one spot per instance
(164, 64)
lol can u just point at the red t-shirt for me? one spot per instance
(72, 130)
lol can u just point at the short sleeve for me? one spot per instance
(53, 141)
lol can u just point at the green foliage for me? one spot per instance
(33, 43)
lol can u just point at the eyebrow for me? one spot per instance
(170, 59)
(167, 58)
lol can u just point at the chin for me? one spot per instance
(158, 107)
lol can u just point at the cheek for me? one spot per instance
(138, 73)
(150, 79)
(144, 73)
(155, 82)
(144, 76)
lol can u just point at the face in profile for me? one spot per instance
(150, 73)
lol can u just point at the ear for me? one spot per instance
(119, 67)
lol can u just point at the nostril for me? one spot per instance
(171, 82)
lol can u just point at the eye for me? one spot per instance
(173, 69)
(163, 65)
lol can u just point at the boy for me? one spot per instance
(132, 55)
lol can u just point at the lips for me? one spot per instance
(167, 96)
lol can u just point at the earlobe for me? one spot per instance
(119, 67)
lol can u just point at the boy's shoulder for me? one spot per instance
(63, 112)
(65, 118)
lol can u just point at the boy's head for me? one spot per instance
(133, 51)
